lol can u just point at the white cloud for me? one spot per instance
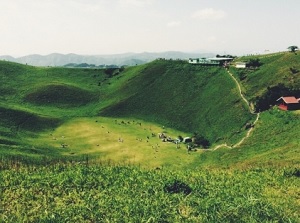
(209, 14)
(174, 24)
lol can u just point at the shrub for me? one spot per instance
(177, 186)
(201, 141)
(254, 63)
(294, 70)
(292, 172)
(110, 72)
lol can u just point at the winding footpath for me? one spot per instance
(250, 110)
(240, 90)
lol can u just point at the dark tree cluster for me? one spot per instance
(254, 63)
(200, 140)
(293, 49)
(225, 56)
(110, 72)
(273, 93)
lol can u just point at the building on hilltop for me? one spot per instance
(288, 103)
(210, 61)
(240, 65)
(203, 61)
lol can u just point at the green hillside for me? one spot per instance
(40, 104)
(173, 94)
(60, 95)
(274, 142)
(278, 75)
(82, 145)
(185, 97)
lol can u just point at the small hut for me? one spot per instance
(288, 103)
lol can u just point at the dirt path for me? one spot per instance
(240, 90)
(248, 133)
(250, 110)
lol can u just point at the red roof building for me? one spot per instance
(288, 103)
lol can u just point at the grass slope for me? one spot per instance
(60, 95)
(86, 193)
(18, 125)
(256, 182)
(274, 143)
(282, 69)
(22, 120)
(188, 98)
(170, 93)
(37, 88)
(55, 102)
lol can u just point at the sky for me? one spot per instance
(95, 27)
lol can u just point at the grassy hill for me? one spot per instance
(278, 75)
(274, 142)
(39, 104)
(60, 95)
(172, 94)
(189, 98)
(82, 144)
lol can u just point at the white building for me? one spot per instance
(210, 61)
(240, 65)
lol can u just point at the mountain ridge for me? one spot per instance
(129, 59)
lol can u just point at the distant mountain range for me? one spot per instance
(129, 59)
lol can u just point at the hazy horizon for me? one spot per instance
(101, 27)
(110, 54)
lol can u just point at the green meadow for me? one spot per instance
(82, 145)
(108, 193)
(123, 141)
(170, 96)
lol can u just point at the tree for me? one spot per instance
(293, 48)
(200, 140)
(254, 63)
(111, 71)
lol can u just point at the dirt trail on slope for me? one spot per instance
(248, 133)
(250, 110)
(240, 91)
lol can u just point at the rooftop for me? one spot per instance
(220, 58)
(289, 99)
